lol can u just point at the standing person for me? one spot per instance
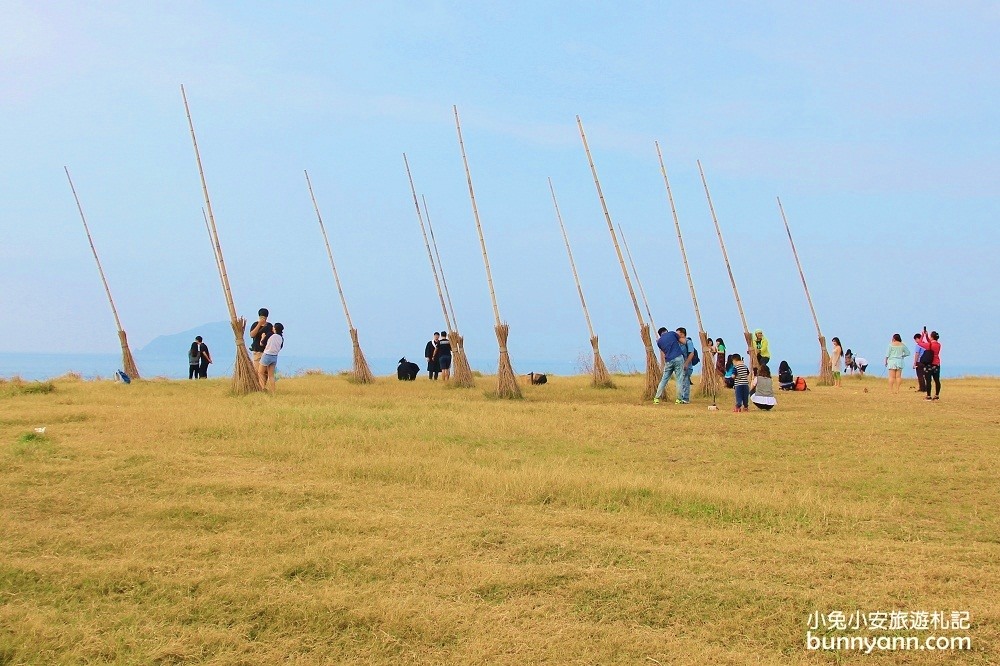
(204, 359)
(894, 356)
(918, 367)
(673, 361)
(430, 349)
(835, 356)
(269, 357)
(741, 384)
(932, 370)
(443, 356)
(194, 358)
(259, 333)
(763, 390)
(761, 346)
(689, 352)
(720, 356)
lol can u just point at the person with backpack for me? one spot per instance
(691, 359)
(673, 361)
(786, 379)
(931, 360)
(894, 356)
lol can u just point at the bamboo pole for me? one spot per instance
(462, 377)
(754, 363)
(600, 378)
(463, 374)
(825, 364)
(128, 361)
(652, 364)
(635, 274)
(245, 379)
(506, 379)
(361, 373)
(709, 374)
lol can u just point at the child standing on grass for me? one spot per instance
(269, 358)
(741, 384)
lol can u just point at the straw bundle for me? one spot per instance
(506, 379)
(245, 379)
(128, 361)
(825, 364)
(652, 364)
(601, 377)
(360, 372)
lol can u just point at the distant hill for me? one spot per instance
(215, 335)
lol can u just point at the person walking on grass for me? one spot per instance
(741, 384)
(763, 390)
(259, 333)
(269, 357)
(204, 358)
(673, 361)
(689, 353)
(430, 349)
(442, 354)
(835, 356)
(932, 370)
(918, 367)
(894, 356)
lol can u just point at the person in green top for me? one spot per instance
(761, 346)
(894, 362)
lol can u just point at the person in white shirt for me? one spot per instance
(269, 359)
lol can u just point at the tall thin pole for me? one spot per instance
(652, 364)
(732, 280)
(329, 253)
(427, 244)
(642, 292)
(437, 255)
(128, 361)
(710, 379)
(572, 264)
(825, 363)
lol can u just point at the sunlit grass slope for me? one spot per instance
(409, 523)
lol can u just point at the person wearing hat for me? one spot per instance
(761, 348)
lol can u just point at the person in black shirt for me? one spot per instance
(433, 369)
(204, 358)
(259, 333)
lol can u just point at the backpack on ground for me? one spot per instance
(800, 384)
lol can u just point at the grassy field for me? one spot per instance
(167, 522)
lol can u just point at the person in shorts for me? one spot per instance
(269, 357)
(259, 333)
(442, 354)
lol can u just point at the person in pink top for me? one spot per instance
(932, 371)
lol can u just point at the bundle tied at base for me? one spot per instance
(653, 370)
(462, 377)
(506, 380)
(601, 377)
(245, 379)
(361, 373)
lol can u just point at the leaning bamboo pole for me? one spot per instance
(506, 380)
(463, 375)
(360, 372)
(635, 274)
(245, 379)
(601, 378)
(128, 361)
(709, 373)
(825, 364)
(754, 363)
(652, 364)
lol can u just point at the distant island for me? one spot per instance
(215, 335)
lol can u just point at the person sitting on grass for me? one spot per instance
(786, 380)
(763, 389)
(727, 378)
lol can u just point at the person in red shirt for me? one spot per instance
(932, 371)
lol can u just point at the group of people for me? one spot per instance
(437, 351)
(852, 362)
(198, 359)
(679, 355)
(926, 362)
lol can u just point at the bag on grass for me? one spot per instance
(800, 384)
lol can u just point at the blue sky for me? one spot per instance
(876, 124)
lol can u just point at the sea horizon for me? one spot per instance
(37, 366)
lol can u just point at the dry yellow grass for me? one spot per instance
(407, 522)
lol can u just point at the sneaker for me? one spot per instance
(683, 402)
(928, 398)
(936, 398)
(678, 401)
(656, 401)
